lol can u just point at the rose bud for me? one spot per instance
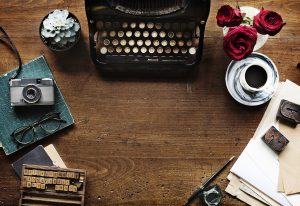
(228, 16)
(239, 42)
(268, 22)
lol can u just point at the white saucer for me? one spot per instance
(238, 91)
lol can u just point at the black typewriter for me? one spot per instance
(155, 35)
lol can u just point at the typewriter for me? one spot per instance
(152, 35)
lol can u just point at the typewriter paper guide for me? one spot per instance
(12, 118)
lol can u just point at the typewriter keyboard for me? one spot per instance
(133, 41)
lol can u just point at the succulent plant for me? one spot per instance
(59, 29)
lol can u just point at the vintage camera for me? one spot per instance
(27, 92)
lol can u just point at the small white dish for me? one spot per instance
(238, 86)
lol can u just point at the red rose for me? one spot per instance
(268, 22)
(239, 42)
(228, 16)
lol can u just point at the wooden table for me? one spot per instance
(144, 142)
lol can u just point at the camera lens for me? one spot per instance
(31, 94)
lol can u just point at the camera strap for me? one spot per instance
(6, 40)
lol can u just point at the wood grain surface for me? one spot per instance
(144, 142)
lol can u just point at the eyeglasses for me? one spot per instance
(49, 123)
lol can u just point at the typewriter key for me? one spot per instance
(167, 26)
(175, 50)
(125, 25)
(131, 42)
(186, 35)
(143, 50)
(115, 25)
(103, 34)
(137, 34)
(145, 34)
(126, 50)
(119, 49)
(133, 25)
(150, 25)
(107, 25)
(192, 50)
(164, 43)
(112, 34)
(162, 34)
(123, 42)
(115, 42)
(189, 43)
(135, 50)
(151, 50)
(155, 42)
(154, 34)
(129, 33)
(142, 25)
(180, 43)
(168, 50)
(179, 35)
(158, 25)
(103, 50)
(99, 25)
(172, 43)
(170, 34)
(120, 34)
(183, 50)
(106, 42)
(160, 50)
(148, 42)
(140, 42)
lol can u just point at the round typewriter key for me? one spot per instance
(175, 50)
(120, 33)
(189, 43)
(123, 42)
(183, 50)
(179, 35)
(170, 34)
(125, 25)
(158, 25)
(148, 42)
(142, 25)
(129, 33)
(133, 25)
(151, 50)
(110, 49)
(150, 25)
(160, 50)
(119, 49)
(139, 42)
(145, 34)
(180, 43)
(186, 35)
(135, 50)
(172, 43)
(112, 34)
(143, 50)
(164, 43)
(127, 50)
(168, 50)
(162, 34)
(115, 42)
(154, 34)
(99, 25)
(155, 42)
(104, 34)
(107, 25)
(167, 25)
(106, 42)
(131, 42)
(115, 25)
(103, 50)
(192, 50)
(137, 34)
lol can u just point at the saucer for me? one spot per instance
(239, 92)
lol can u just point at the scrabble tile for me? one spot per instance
(57, 187)
(58, 181)
(25, 172)
(54, 181)
(66, 188)
(50, 181)
(42, 173)
(74, 188)
(43, 186)
(42, 180)
(33, 179)
(61, 187)
(28, 184)
(30, 172)
(51, 174)
(33, 184)
(55, 174)
(38, 185)
(67, 182)
(29, 179)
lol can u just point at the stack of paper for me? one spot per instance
(262, 177)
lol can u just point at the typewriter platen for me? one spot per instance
(161, 35)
